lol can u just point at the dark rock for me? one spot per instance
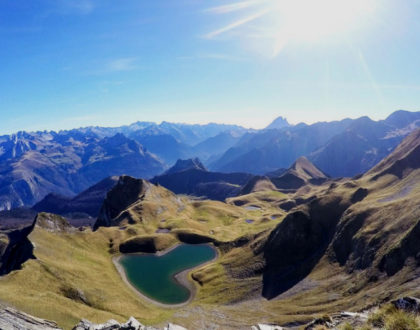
(127, 191)
(407, 304)
(16, 249)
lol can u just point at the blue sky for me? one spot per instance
(72, 63)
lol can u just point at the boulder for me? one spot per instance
(408, 304)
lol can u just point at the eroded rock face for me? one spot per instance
(127, 191)
(53, 222)
(131, 324)
(13, 319)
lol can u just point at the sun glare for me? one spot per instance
(286, 21)
(309, 20)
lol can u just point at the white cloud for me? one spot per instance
(121, 64)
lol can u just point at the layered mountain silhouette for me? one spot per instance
(36, 164)
(33, 165)
(192, 178)
(65, 163)
(88, 202)
(301, 173)
(185, 165)
(343, 148)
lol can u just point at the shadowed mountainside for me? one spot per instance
(341, 149)
(366, 227)
(300, 174)
(33, 165)
(192, 178)
(88, 201)
(36, 164)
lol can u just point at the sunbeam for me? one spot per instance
(303, 21)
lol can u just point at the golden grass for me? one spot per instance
(80, 264)
(74, 276)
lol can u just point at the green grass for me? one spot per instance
(74, 276)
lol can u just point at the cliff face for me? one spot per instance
(126, 192)
(15, 246)
(15, 249)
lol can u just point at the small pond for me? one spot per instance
(154, 276)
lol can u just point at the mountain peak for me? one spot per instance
(187, 164)
(402, 118)
(306, 169)
(301, 172)
(404, 159)
(279, 122)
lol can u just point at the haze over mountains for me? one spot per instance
(340, 148)
(36, 164)
(336, 244)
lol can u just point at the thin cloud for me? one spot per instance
(233, 7)
(121, 64)
(213, 56)
(70, 7)
(235, 25)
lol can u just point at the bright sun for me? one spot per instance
(285, 21)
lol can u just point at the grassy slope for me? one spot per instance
(229, 289)
(73, 276)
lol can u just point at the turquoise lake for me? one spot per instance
(154, 276)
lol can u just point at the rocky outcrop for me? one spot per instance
(338, 321)
(13, 319)
(53, 223)
(127, 191)
(131, 324)
(408, 304)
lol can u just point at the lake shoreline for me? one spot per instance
(181, 278)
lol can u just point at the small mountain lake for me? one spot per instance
(154, 275)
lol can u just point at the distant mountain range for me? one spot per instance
(65, 163)
(339, 148)
(33, 165)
